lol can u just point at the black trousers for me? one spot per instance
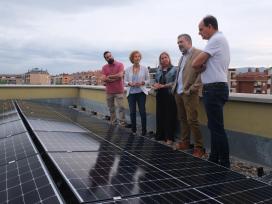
(166, 115)
(215, 96)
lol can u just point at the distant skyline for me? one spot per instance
(71, 35)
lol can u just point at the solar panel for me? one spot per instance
(12, 128)
(111, 166)
(249, 196)
(51, 126)
(15, 148)
(6, 106)
(97, 176)
(67, 141)
(124, 140)
(37, 111)
(181, 196)
(243, 191)
(26, 181)
(9, 117)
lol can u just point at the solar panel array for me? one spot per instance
(105, 164)
(23, 176)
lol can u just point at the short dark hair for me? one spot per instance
(186, 36)
(106, 52)
(210, 20)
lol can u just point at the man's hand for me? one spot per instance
(202, 69)
(187, 92)
(199, 63)
(109, 80)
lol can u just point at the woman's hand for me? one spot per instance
(158, 86)
(131, 84)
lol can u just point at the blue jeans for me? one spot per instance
(215, 96)
(140, 99)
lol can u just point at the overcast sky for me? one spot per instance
(71, 35)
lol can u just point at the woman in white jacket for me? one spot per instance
(136, 79)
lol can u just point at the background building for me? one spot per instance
(61, 79)
(11, 79)
(232, 73)
(37, 76)
(87, 78)
(253, 81)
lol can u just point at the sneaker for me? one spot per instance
(198, 152)
(182, 146)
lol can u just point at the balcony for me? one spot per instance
(94, 162)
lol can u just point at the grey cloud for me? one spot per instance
(61, 5)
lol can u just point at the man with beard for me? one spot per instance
(112, 75)
(186, 90)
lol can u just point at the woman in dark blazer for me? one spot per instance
(165, 101)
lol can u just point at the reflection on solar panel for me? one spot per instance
(45, 125)
(9, 117)
(67, 141)
(7, 107)
(107, 165)
(104, 175)
(11, 128)
(15, 148)
(26, 181)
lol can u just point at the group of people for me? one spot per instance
(199, 72)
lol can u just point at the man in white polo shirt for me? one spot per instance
(213, 64)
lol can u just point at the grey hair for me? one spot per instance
(186, 36)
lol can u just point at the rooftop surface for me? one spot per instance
(53, 154)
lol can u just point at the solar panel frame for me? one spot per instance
(178, 196)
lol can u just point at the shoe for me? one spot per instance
(128, 125)
(113, 123)
(182, 146)
(198, 152)
(133, 134)
(122, 124)
(169, 142)
(143, 133)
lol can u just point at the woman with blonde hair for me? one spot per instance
(165, 101)
(136, 80)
